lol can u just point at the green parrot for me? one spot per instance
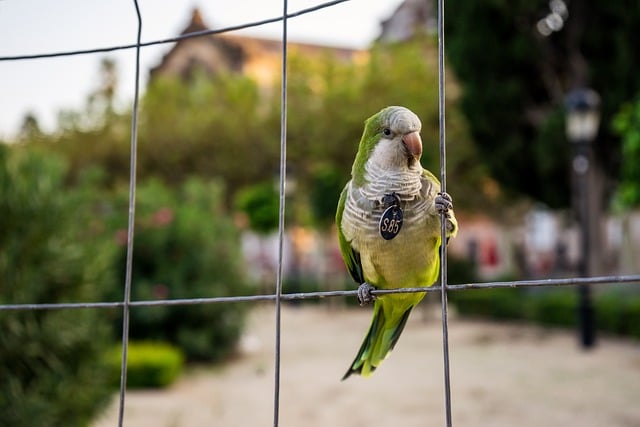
(389, 229)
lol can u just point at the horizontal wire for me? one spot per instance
(174, 39)
(600, 280)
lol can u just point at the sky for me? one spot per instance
(46, 86)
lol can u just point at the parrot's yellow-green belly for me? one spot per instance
(408, 260)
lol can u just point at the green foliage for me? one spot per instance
(494, 56)
(619, 313)
(186, 246)
(553, 307)
(491, 303)
(260, 203)
(326, 182)
(615, 312)
(460, 270)
(330, 100)
(226, 127)
(210, 127)
(627, 124)
(515, 80)
(49, 359)
(149, 364)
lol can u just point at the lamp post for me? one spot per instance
(583, 120)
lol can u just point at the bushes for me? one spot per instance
(617, 313)
(149, 364)
(552, 307)
(61, 244)
(186, 246)
(50, 361)
(261, 205)
(491, 303)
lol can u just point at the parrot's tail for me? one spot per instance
(380, 340)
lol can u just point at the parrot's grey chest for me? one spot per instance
(369, 212)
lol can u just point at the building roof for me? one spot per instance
(257, 57)
(409, 18)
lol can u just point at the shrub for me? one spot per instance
(553, 307)
(492, 303)
(460, 271)
(149, 364)
(49, 359)
(185, 246)
(617, 313)
(610, 308)
(261, 204)
(631, 317)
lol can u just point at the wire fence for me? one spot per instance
(126, 304)
(442, 142)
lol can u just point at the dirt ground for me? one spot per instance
(501, 376)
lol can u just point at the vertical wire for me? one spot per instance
(443, 188)
(131, 223)
(282, 194)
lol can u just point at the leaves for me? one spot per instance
(627, 124)
(227, 127)
(515, 80)
(49, 252)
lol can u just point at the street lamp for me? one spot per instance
(583, 120)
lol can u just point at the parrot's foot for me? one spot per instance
(443, 203)
(364, 294)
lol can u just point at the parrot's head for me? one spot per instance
(391, 140)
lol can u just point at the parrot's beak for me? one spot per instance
(413, 142)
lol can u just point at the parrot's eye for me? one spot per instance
(386, 131)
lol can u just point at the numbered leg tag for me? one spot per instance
(391, 222)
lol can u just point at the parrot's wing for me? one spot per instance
(350, 256)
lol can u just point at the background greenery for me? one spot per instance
(50, 360)
(149, 364)
(616, 312)
(515, 81)
(186, 246)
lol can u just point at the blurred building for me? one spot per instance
(409, 18)
(255, 57)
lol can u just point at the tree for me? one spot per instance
(329, 101)
(50, 360)
(260, 204)
(226, 126)
(627, 124)
(101, 100)
(514, 82)
(30, 128)
(208, 126)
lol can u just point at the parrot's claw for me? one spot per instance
(364, 294)
(443, 203)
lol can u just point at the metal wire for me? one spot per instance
(599, 280)
(126, 304)
(131, 224)
(174, 39)
(281, 214)
(443, 219)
